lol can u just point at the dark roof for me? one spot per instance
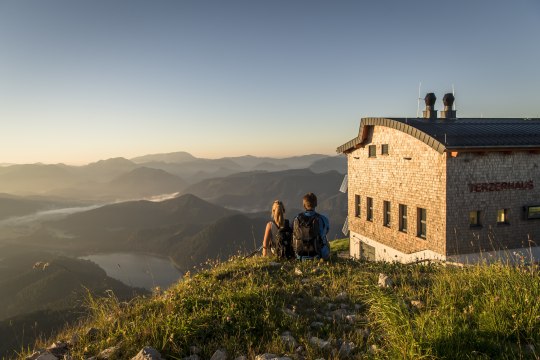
(459, 134)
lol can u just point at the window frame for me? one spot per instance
(383, 148)
(477, 224)
(357, 205)
(534, 214)
(372, 151)
(369, 208)
(421, 223)
(403, 218)
(505, 213)
(387, 213)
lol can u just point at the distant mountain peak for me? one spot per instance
(112, 161)
(174, 157)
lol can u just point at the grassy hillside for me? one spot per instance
(57, 283)
(329, 310)
(21, 331)
(40, 292)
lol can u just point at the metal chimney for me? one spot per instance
(448, 112)
(430, 112)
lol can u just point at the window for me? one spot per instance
(384, 149)
(369, 207)
(402, 217)
(372, 150)
(533, 212)
(502, 216)
(474, 218)
(386, 213)
(421, 222)
(357, 205)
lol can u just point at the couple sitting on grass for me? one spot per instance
(306, 240)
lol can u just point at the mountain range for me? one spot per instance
(179, 226)
(98, 180)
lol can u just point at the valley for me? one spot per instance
(131, 225)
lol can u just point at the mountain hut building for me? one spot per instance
(447, 188)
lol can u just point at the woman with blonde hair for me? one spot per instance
(274, 227)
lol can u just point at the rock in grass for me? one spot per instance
(288, 341)
(316, 324)
(320, 343)
(147, 353)
(58, 349)
(108, 353)
(342, 296)
(297, 271)
(418, 304)
(32, 356)
(346, 348)
(269, 356)
(45, 355)
(58, 345)
(385, 281)
(266, 356)
(338, 314)
(219, 355)
(289, 312)
(93, 333)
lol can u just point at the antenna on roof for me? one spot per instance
(454, 93)
(418, 105)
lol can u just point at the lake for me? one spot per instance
(138, 270)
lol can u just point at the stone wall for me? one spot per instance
(412, 174)
(480, 182)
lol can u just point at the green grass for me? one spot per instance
(244, 305)
(339, 245)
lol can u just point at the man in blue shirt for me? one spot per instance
(309, 231)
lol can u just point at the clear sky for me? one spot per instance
(87, 80)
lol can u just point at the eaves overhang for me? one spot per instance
(365, 123)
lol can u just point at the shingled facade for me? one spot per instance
(447, 188)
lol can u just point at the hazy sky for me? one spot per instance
(88, 80)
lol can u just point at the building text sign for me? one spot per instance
(501, 186)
